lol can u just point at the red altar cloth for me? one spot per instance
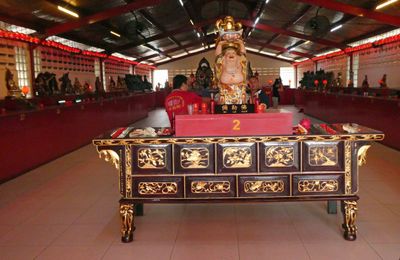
(274, 122)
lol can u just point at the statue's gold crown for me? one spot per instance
(228, 24)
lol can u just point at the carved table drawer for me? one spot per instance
(236, 157)
(264, 186)
(323, 156)
(210, 186)
(162, 187)
(314, 184)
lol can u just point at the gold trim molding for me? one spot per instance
(214, 140)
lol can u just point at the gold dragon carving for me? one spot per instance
(279, 156)
(157, 188)
(362, 155)
(237, 157)
(151, 158)
(318, 185)
(210, 187)
(350, 215)
(264, 186)
(323, 155)
(126, 214)
(110, 156)
(194, 158)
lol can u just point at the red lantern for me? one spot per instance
(270, 82)
(316, 82)
(324, 82)
(25, 90)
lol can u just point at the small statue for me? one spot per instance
(13, 89)
(382, 82)
(230, 62)
(204, 75)
(111, 85)
(98, 85)
(339, 81)
(78, 87)
(66, 86)
(121, 85)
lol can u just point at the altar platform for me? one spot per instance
(68, 206)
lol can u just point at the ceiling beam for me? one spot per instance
(209, 39)
(280, 49)
(182, 29)
(257, 12)
(206, 50)
(146, 15)
(295, 19)
(14, 21)
(356, 11)
(100, 16)
(270, 28)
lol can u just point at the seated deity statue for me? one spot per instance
(230, 63)
(12, 88)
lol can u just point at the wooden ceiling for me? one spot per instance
(153, 30)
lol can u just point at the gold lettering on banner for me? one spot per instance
(194, 158)
(151, 158)
(347, 167)
(264, 186)
(210, 186)
(318, 185)
(237, 157)
(111, 157)
(326, 155)
(157, 188)
(128, 170)
(279, 156)
(362, 155)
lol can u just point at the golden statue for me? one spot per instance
(230, 62)
(12, 88)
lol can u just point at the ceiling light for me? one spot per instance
(251, 49)
(166, 59)
(191, 22)
(197, 50)
(212, 45)
(285, 58)
(291, 49)
(250, 33)
(67, 11)
(179, 55)
(268, 53)
(116, 34)
(181, 2)
(198, 34)
(266, 1)
(336, 28)
(256, 21)
(385, 4)
(307, 42)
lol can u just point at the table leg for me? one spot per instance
(127, 219)
(349, 215)
(331, 207)
(139, 210)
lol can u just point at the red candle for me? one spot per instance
(212, 106)
(195, 108)
(204, 108)
(256, 103)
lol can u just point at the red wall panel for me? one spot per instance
(30, 139)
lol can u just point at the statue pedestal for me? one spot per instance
(273, 122)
